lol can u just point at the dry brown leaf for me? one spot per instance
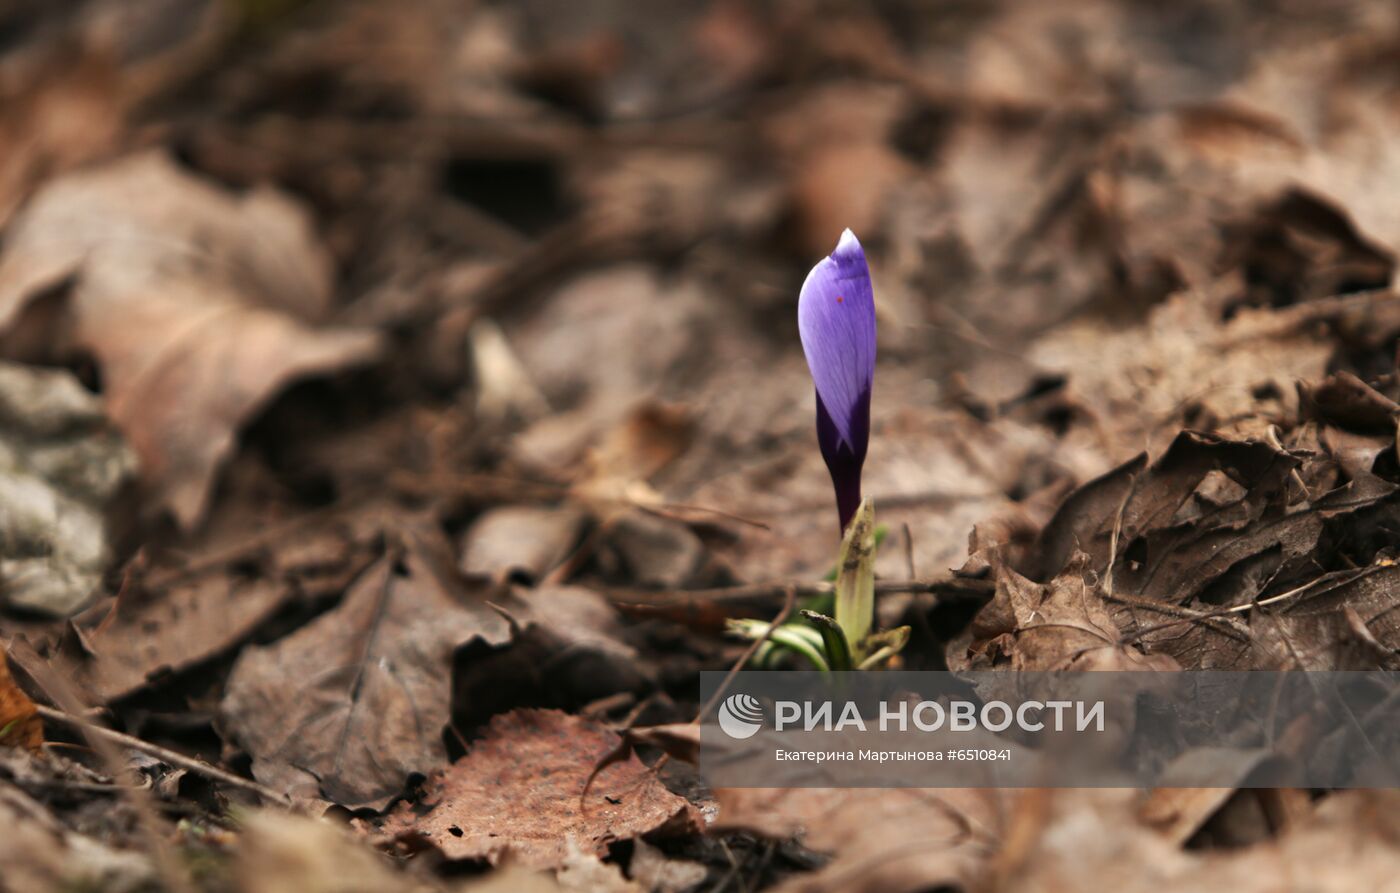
(284, 853)
(881, 841)
(520, 790)
(148, 637)
(347, 707)
(513, 878)
(1185, 546)
(1349, 843)
(69, 108)
(659, 873)
(189, 297)
(1181, 367)
(680, 739)
(20, 725)
(1177, 813)
(521, 541)
(1061, 625)
(841, 186)
(584, 872)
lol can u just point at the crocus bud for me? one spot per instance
(836, 319)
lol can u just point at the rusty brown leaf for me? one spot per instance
(520, 790)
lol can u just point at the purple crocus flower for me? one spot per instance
(836, 319)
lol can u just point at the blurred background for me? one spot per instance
(517, 224)
(283, 279)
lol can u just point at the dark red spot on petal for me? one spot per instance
(839, 299)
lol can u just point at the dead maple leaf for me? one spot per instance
(194, 302)
(1061, 625)
(892, 841)
(20, 725)
(348, 706)
(521, 791)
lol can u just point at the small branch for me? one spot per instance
(949, 586)
(1210, 619)
(789, 600)
(199, 767)
(174, 874)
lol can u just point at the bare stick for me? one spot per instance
(199, 767)
(789, 599)
(173, 873)
(972, 588)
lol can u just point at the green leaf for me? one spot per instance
(799, 639)
(838, 650)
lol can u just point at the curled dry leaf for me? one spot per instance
(520, 790)
(346, 708)
(1061, 625)
(1223, 554)
(571, 651)
(195, 303)
(60, 466)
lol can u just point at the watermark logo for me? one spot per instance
(740, 716)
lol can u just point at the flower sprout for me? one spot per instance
(836, 319)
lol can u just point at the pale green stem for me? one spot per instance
(855, 579)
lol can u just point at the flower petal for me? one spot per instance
(841, 461)
(836, 319)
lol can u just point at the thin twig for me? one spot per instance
(624, 748)
(199, 767)
(490, 488)
(974, 588)
(259, 539)
(789, 600)
(174, 875)
(1188, 615)
(908, 551)
(1184, 615)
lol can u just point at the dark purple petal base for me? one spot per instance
(842, 461)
